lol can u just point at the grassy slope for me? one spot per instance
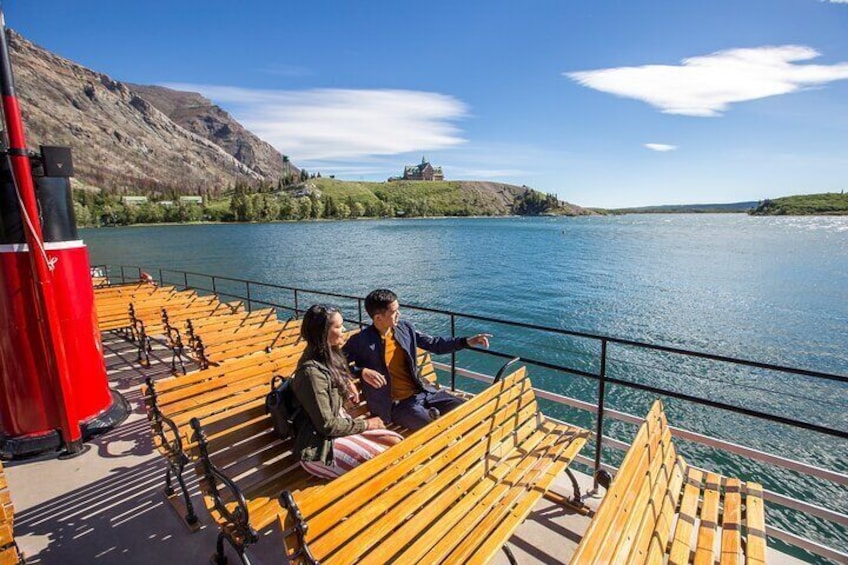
(829, 203)
(341, 190)
(421, 198)
(440, 198)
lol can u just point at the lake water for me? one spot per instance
(769, 289)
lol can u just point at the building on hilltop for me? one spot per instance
(422, 171)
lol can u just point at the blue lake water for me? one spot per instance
(773, 290)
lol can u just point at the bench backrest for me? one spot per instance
(659, 506)
(649, 469)
(387, 502)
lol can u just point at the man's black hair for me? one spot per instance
(378, 301)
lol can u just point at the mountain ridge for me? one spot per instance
(120, 140)
(132, 139)
(200, 115)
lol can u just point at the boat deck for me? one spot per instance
(107, 506)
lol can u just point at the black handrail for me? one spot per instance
(549, 329)
(601, 377)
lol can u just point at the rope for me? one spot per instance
(49, 261)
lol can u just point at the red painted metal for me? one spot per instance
(26, 401)
(28, 405)
(45, 311)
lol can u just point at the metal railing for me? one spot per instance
(601, 411)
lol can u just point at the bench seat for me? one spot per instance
(452, 492)
(660, 509)
(9, 553)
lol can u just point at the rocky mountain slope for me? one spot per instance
(199, 115)
(121, 141)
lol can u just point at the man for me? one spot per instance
(384, 355)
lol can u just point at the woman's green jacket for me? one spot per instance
(319, 422)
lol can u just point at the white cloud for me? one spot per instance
(706, 86)
(342, 123)
(661, 147)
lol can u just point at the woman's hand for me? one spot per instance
(352, 393)
(375, 423)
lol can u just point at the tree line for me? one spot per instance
(275, 202)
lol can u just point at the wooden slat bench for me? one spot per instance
(659, 509)
(171, 404)
(452, 492)
(214, 347)
(9, 553)
(246, 467)
(209, 326)
(112, 304)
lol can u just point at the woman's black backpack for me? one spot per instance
(283, 406)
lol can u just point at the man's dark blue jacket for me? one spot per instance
(365, 350)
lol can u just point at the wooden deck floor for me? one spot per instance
(106, 506)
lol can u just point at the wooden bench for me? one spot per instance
(112, 303)
(117, 312)
(210, 347)
(171, 404)
(9, 553)
(452, 492)
(659, 509)
(244, 467)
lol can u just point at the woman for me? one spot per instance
(330, 442)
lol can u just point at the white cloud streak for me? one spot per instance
(325, 124)
(661, 147)
(706, 86)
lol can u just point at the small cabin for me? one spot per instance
(134, 200)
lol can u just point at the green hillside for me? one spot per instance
(326, 198)
(825, 204)
(417, 198)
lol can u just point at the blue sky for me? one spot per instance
(603, 103)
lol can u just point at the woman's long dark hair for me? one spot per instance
(315, 330)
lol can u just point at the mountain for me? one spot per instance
(730, 208)
(825, 204)
(124, 142)
(136, 139)
(199, 115)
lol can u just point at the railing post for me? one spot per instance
(185, 280)
(161, 278)
(123, 278)
(214, 286)
(599, 429)
(296, 308)
(359, 305)
(249, 306)
(453, 354)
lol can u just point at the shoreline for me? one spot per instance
(512, 216)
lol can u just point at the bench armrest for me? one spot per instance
(211, 479)
(298, 528)
(158, 423)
